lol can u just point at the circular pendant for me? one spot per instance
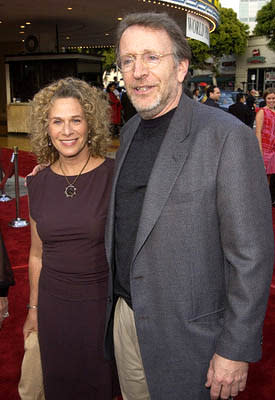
(70, 191)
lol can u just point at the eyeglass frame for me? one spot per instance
(150, 66)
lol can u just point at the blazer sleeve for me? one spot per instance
(245, 214)
(6, 274)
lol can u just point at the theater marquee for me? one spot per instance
(202, 16)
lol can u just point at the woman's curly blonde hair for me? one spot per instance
(96, 110)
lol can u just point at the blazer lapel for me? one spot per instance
(170, 160)
(120, 157)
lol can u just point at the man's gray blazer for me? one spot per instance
(203, 257)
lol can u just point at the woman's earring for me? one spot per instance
(49, 142)
(89, 139)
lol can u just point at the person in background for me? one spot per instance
(117, 88)
(116, 109)
(265, 131)
(262, 104)
(251, 104)
(68, 270)
(189, 236)
(6, 280)
(213, 95)
(128, 110)
(196, 94)
(204, 88)
(240, 109)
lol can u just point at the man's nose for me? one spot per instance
(140, 68)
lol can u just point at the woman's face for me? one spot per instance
(68, 127)
(270, 101)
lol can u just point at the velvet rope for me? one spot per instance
(8, 170)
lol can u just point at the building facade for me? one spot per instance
(256, 67)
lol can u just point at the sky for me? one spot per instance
(231, 4)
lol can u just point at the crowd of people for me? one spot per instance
(150, 275)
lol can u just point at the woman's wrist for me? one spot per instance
(32, 306)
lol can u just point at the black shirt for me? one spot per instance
(240, 111)
(130, 192)
(211, 103)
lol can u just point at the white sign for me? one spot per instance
(197, 28)
(270, 76)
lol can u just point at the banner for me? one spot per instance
(197, 28)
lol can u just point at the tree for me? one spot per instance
(229, 38)
(266, 23)
(110, 58)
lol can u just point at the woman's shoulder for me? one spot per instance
(267, 112)
(109, 163)
(260, 111)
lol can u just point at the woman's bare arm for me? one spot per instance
(259, 126)
(35, 265)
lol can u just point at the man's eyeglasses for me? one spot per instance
(150, 60)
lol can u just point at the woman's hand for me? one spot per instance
(4, 305)
(31, 323)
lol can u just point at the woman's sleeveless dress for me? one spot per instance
(268, 140)
(73, 284)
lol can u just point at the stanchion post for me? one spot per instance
(17, 222)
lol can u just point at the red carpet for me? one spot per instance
(26, 161)
(11, 337)
(260, 385)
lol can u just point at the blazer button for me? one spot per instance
(109, 299)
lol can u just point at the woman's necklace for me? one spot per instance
(70, 190)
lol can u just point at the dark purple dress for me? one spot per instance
(73, 284)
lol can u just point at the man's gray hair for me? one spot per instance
(157, 21)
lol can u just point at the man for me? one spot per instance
(189, 234)
(213, 95)
(251, 104)
(240, 110)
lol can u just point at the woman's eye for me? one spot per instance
(76, 121)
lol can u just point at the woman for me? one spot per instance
(265, 131)
(116, 108)
(67, 265)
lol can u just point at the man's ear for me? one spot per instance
(182, 70)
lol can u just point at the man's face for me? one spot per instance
(153, 91)
(215, 95)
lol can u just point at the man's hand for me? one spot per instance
(226, 377)
(35, 171)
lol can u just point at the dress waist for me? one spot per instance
(72, 287)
